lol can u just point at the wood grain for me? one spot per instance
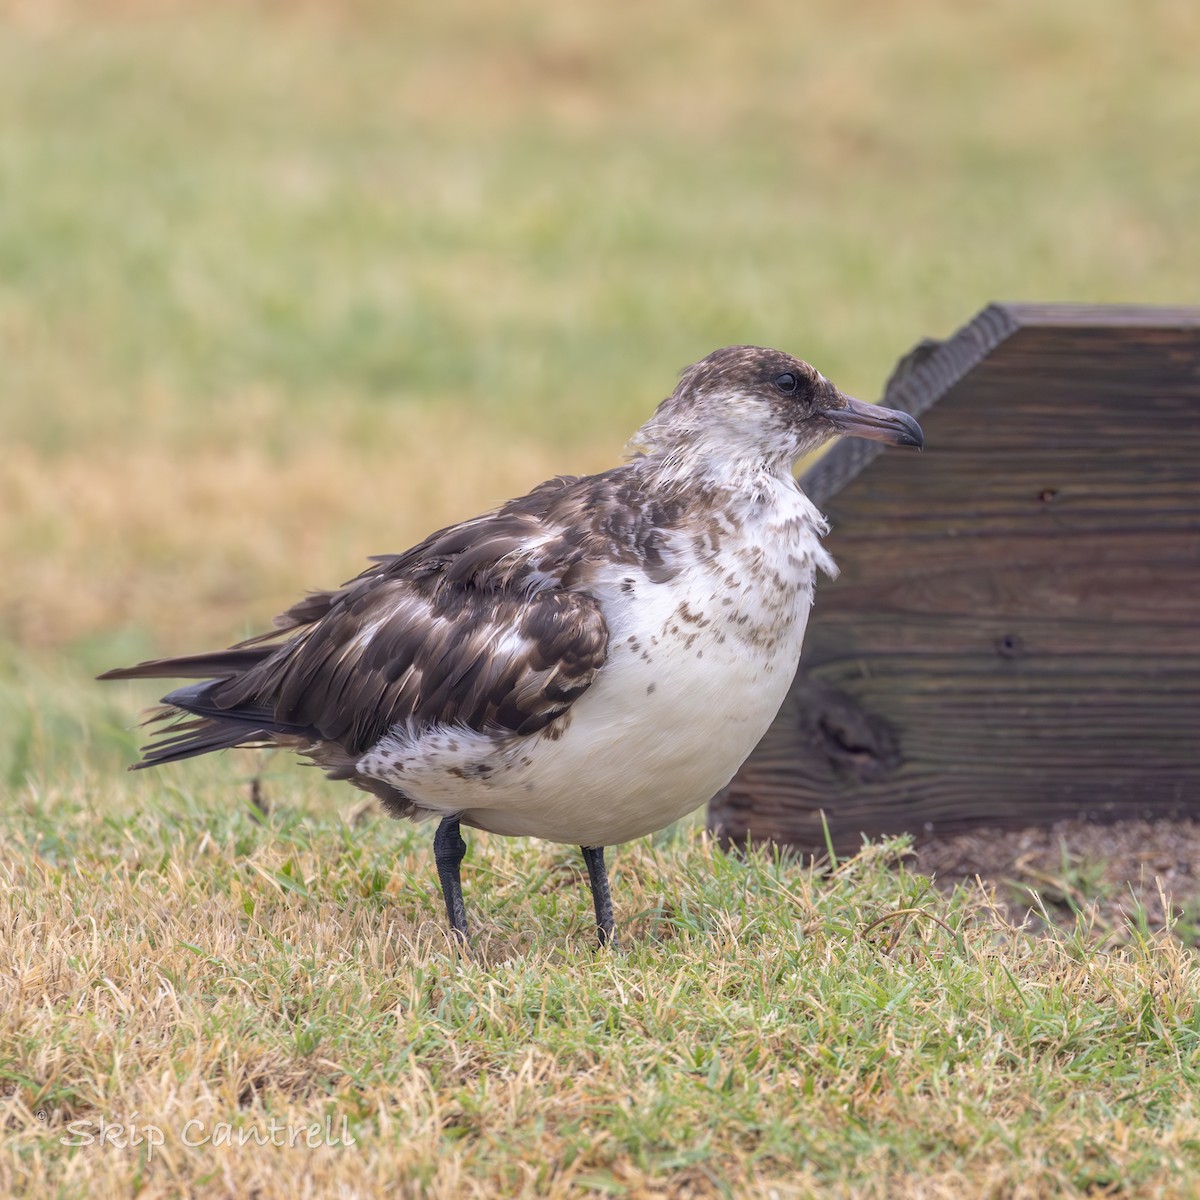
(1015, 635)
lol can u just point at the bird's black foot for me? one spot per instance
(448, 851)
(598, 877)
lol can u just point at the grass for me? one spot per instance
(271, 273)
(284, 286)
(765, 1030)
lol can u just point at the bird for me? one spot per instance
(585, 664)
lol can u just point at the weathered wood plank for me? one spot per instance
(1015, 635)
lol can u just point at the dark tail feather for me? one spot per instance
(187, 737)
(224, 663)
(191, 722)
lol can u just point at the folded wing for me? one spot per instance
(466, 629)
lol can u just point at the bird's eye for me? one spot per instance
(786, 382)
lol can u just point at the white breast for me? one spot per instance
(697, 668)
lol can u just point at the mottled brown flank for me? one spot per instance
(487, 624)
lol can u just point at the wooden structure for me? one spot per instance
(1015, 634)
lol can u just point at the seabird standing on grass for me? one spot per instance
(587, 663)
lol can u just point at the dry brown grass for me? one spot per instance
(760, 1036)
(190, 550)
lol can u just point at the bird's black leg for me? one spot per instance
(598, 877)
(448, 851)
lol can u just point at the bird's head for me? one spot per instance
(754, 408)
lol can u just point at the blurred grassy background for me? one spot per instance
(283, 285)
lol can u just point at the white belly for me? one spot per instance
(696, 671)
(651, 740)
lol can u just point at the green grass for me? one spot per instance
(539, 219)
(764, 1030)
(284, 286)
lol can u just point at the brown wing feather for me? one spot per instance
(487, 623)
(467, 553)
(487, 660)
(471, 626)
